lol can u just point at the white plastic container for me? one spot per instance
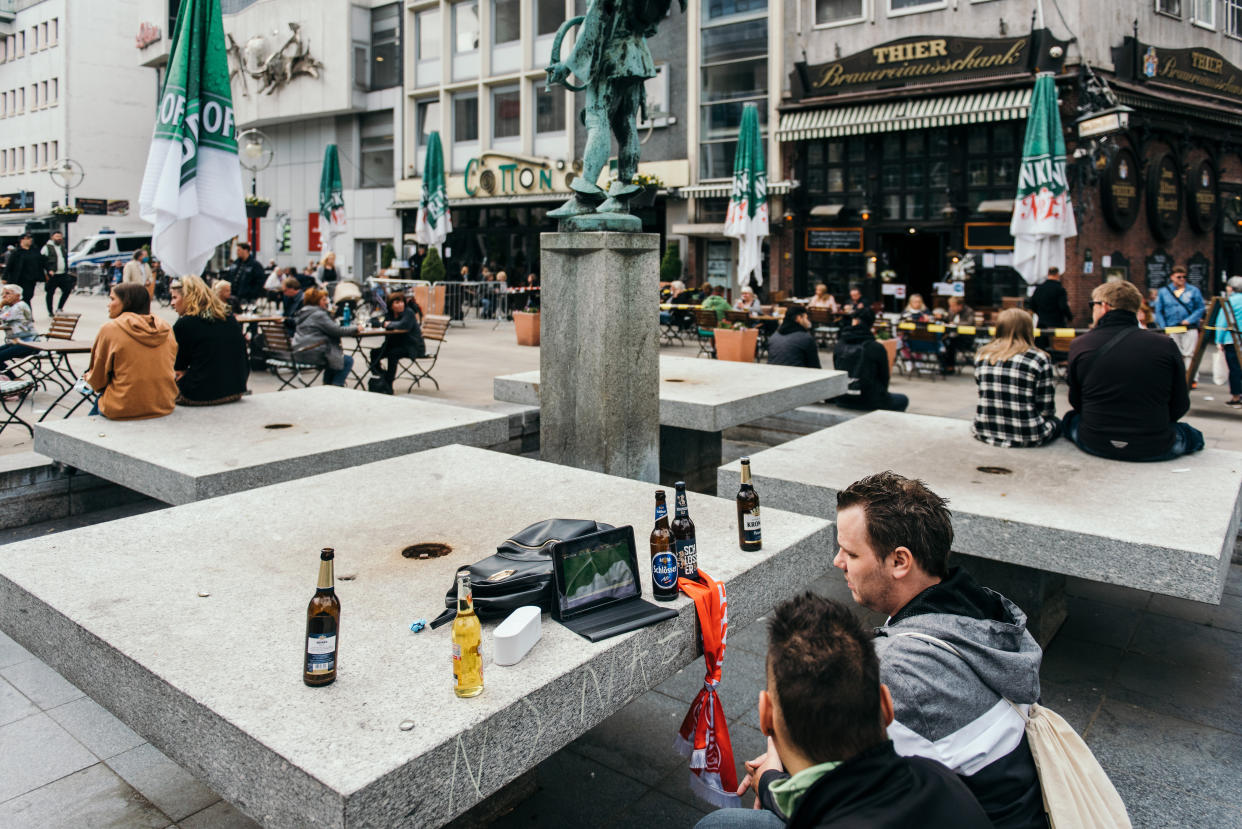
(516, 635)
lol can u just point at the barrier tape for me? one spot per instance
(1065, 333)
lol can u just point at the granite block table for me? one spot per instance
(701, 398)
(1026, 518)
(204, 452)
(188, 624)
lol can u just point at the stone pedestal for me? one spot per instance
(599, 358)
(689, 455)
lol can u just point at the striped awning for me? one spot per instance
(723, 189)
(906, 114)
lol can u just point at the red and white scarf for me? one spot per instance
(704, 734)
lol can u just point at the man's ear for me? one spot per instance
(766, 714)
(886, 706)
(900, 562)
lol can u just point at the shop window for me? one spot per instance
(1171, 7)
(465, 27)
(836, 12)
(465, 117)
(912, 6)
(913, 174)
(1203, 13)
(549, 109)
(506, 112)
(377, 149)
(386, 46)
(427, 24)
(1233, 18)
(992, 161)
(506, 21)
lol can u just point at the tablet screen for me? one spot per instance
(599, 571)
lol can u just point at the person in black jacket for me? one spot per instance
(26, 267)
(858, 353)
(246, 274)
(793, 344)
(404, 316)
(1050, 302)
(1127, 385)
(211, 365)
(828, 762)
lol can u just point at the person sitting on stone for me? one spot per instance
(823, 299)
(793, 344)
(1127, 385)
(1017, 389)
(717, 302)
(829, 762)
(316, 328)
(211, 365)
(132, 359)
(961, 665)
(403, 315)
(748, 302)
(866, 361)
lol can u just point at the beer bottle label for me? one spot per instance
(687, 556)
(664, 570)
(661, 511)
(750, 526)
(682, 509)
(320, 653)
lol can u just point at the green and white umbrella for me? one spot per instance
(1043, 217)
(331, 199)
(747, 217)
(192, 187)
(433, 223)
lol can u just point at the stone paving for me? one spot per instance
(1151, 682)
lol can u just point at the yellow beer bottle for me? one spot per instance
(467, 642)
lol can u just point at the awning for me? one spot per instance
(723, 189)
(713, 230)
(996, 206)
(905, 114)
(1152, 100)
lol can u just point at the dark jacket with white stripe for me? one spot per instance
(952, 707)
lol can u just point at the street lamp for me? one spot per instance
(255, 152)
(67, 175)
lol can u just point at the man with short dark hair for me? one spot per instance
(291, 300)
(1127, 385)
(858, 353)
(828, 762)
(58, 278)
(957, 657)
(1050, 302)
(25, 267)
(246, 275)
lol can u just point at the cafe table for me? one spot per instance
(358, 352)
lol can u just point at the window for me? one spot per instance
(11, 47)
(43, 152)
(465, 27)
(1173, 7)
(377, 149)
(55, 151)
(734, 47)
(21, 44)
(21, 100)
(427, 121)
(549, 109)
(656, 90)
(43, 35)
(385, 46)
(832, 12)
(1233, 18)
(362, 66)
(465, 117)
(54, 30)
(548, 16)
(992, 156)
(1203, 13)
(55, 90)
(21, 158)
(506, 112)
(4, 49)
(427, 24)
(506, 21)
(43, 92)
(34, 96)
(911, 6)
(34, 38)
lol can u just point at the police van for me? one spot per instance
(106, 246)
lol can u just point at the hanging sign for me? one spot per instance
(1157, 267)
(1164, 197)
(1119, 190)
(1202, 201)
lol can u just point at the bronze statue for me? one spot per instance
(611, 55)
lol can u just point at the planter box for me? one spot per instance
(527, 326)
(256, 211)
(736, 346)
(65, 218)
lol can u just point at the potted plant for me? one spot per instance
(66, 213)
(736, 342)
(650, 184)
(526, 324)
(256, 207)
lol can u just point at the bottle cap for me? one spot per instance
(327, 554)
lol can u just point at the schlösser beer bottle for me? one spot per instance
(748, 534)
(323, 623)
(467, 642)
(684, 544)
(663, 562)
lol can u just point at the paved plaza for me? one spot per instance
(1150, 681)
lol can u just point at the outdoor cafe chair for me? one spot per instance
(285, 362)
(435, 328)
(705, 326)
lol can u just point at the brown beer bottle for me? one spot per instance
(684, 543)
(748, 533)
(663, 562)
(323, 622)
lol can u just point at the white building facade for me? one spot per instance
(70, 89)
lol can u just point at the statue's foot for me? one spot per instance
(571, 208)
(618, 190)
(612, 205)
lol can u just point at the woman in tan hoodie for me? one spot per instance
(132, 359)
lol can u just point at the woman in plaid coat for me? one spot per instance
(1017, 395)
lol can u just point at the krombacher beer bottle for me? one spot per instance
(467, 642)
(323, 623)
(683, 536)
(663, 562)
(748, 533)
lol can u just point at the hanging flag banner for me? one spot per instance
(747, 217)
(433, 223)
(331, 198)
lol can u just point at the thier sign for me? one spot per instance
(1197, 69)
(834, 239)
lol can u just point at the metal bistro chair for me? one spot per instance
(825, 325)
(13, 393)
(435, 328)
(705, 327)
(922, 351)
(54, 365)
(283, 360)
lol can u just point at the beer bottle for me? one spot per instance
(683, 536)
(467, 642)
(748, 534)
(663, 562)
(323, 622)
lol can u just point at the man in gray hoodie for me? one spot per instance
(956, 656)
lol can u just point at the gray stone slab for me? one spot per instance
(203, 452)
(214, 681)
(600, 409)
(1057, 509)
(711, 395)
